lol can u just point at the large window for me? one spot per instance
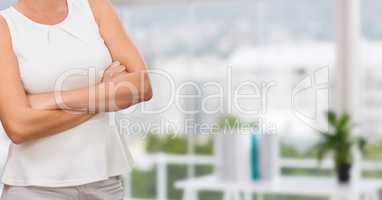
(372, 85)
(283, 42)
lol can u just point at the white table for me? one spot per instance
(306, 186)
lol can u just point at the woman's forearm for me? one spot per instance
(124, 91)
(30, 124)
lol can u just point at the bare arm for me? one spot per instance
(114, 93)
(116, 38)
(20, 121)
(121, 92)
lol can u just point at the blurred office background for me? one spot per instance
(285, 42)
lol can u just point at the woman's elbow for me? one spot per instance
(131, 95)
(147, 93)
(17, 139)
(16, 133)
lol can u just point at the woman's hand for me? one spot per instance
(113, 71)
(39, 101)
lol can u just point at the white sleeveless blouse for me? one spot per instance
(63, 57)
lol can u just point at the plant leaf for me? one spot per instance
(361, 142)
(332, 118)
(344, 121)
(321, 151)
(325, 146)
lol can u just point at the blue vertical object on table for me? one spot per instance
(254, 158)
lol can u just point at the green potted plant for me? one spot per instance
(339, 141)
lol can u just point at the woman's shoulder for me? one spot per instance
(102, 9)
(5, 36)
(3, 25)
(96, 7)
(99, 2)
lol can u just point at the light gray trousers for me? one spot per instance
(110, 189)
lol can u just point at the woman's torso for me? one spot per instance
(69, 55)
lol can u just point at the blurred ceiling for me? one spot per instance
(143, 2)
(6, 3)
